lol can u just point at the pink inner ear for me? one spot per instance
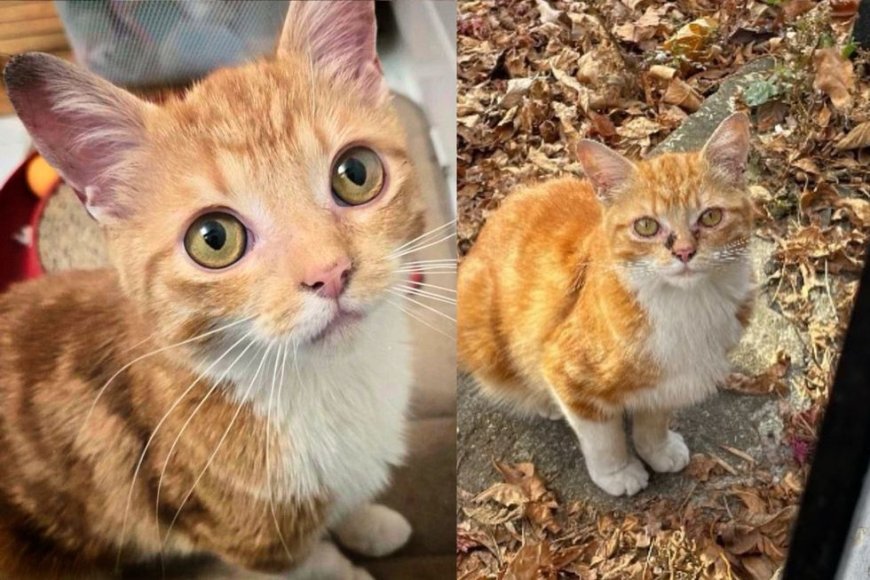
(727, 149)
(81, 124)
(339, 36)
(605, 168)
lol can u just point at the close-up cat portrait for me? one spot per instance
(664, 213)
(434, 289)
(226, 341)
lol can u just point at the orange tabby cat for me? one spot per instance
(589, 308)
(236, 385)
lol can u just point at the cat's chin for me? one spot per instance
(684, 277)
(339, 329)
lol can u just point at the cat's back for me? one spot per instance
(522, 269)
(538, 219)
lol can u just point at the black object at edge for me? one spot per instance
(861, 30)
(842, 456)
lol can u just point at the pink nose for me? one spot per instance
(330, 281)
(683, 252)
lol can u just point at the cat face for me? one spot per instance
(676, 218)
(274, 193)
(677, 221)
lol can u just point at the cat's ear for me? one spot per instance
(727, 149)
(604, 167)
(338, 36)
(84, 126)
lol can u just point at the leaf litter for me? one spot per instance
(536, 77)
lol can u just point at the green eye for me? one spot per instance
(216, 240)
(357, 176)
(646, 227)
(711, 217)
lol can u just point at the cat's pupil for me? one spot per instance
(354, 170)
(214, 234)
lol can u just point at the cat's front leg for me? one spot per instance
(662, 449)
(610, 463)
(372, 530)
(323, 562)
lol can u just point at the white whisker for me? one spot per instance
(282, 349)
(149, 354)
(216, 384)
(444, 288)
(422, 305)
(430, 244)
(424, 294)
(214, 453)
(423, 235)
(151, 439)
(420, 319)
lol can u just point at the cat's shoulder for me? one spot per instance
(91, 290)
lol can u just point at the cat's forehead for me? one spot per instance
(275, 107)
(672, 181)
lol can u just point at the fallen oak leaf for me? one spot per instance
(701, 467)
(528, 561)
(692, 39)
(638, 128)
(681, 94)
(857, 138)
(834, 76)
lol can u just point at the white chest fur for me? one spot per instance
(693, 329)
(341, 415)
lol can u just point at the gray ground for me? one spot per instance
(748, 423)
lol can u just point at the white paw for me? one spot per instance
(325, 562)
(627, 480)
(668, 457)
(549, 410)
(373, 530)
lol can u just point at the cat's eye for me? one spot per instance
(216, 240)
(357, 176)
(646, 227)
(711, 217)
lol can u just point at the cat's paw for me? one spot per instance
(373, 530)
(549, 410)
(628, 480)
(324, 562)
(668, 457)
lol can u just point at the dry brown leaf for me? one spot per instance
(769, 382)
(701, 467)
(692, 40)
(794, 8)
(860, 208)
(638, 128)
(662, 72)
(834, 76)
(681, 94)
(528, 561)
(759, 567)
(506, 494)
(844, 9)
(601, 124)
(491, 514)
(857, 138)
(548, 13)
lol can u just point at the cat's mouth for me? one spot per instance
(342, 321)
(683, 275)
